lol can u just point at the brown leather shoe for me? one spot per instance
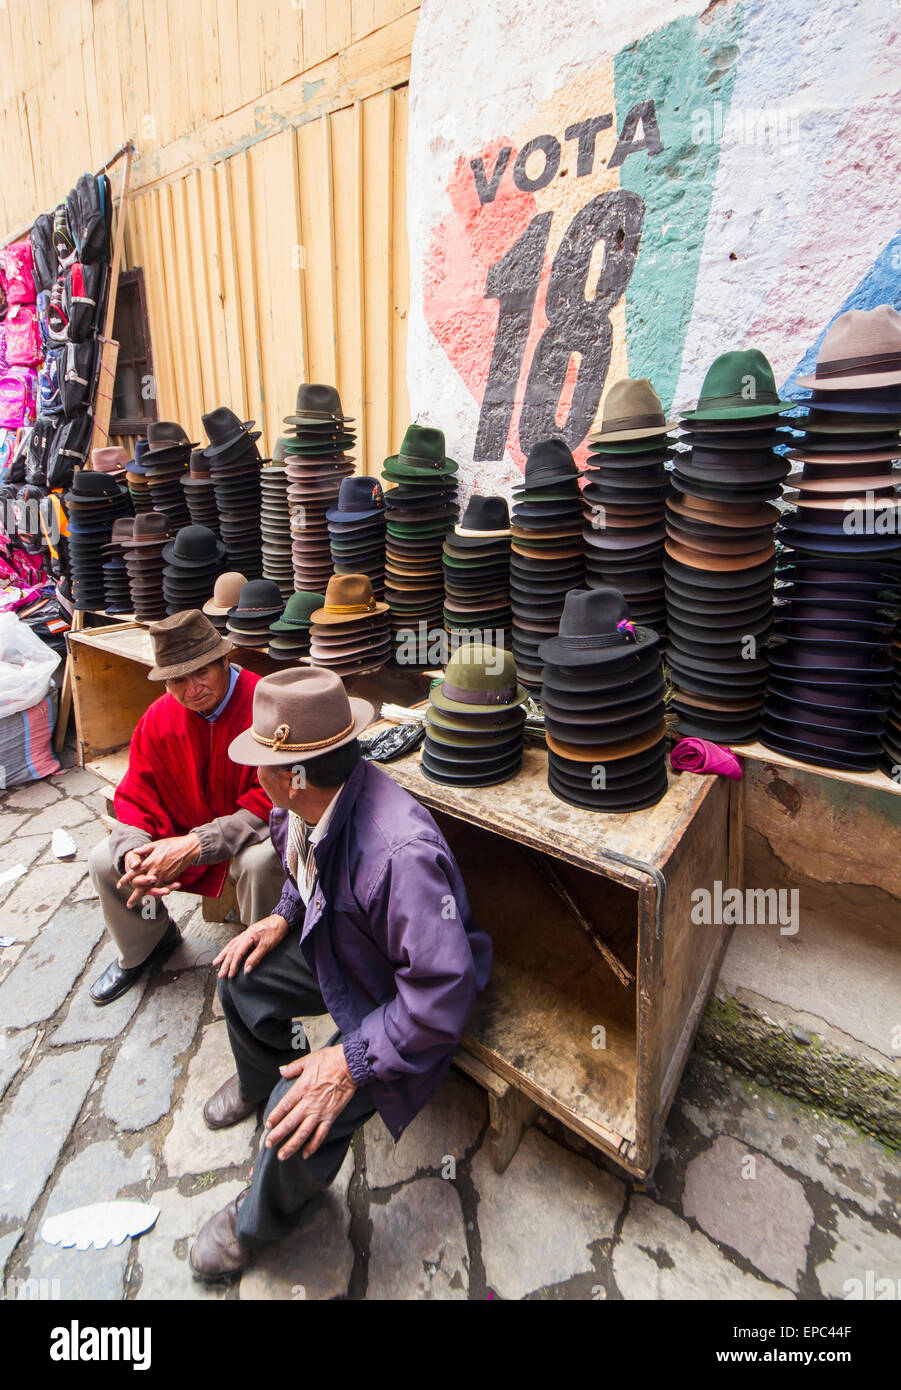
(217, 1253)
(226, 1107)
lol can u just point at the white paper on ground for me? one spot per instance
(99, 1225)
(7, 941)
(62, 844)
(8, 875)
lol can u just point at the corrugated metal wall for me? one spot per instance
(268, 195)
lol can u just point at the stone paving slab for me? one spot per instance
(447, 1128)
(865, 1263)
(8, 1244)
(32, 797)
(46, 972)
(194, 951)
(418, 1246)
(191, 1147)
(570, 1204)
(163, 1252)
(659, 1256)
(743, 1200)
(13, 1051)
(44, 888)
(86, 836)
(9, 955)
(88, 1022)
(36, 1124)
(139, 1088)
(61, 815)
(316, 1261)
(78, 781)
(96, 1174)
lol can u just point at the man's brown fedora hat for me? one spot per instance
(183, 643)
(298, 715)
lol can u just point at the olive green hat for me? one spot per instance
(479, 677)
(739, 386)
(421, 455)
(297, 611)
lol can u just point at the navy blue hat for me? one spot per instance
(359, 499)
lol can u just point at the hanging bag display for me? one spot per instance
(18, 396)
(45, 262)
(83, 297)
(63, 242)
(69, 449)
(76, 384)
(18, 263)
(57, 316)
(50, 400)
(89, 215)
(23, 338)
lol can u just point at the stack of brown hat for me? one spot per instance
(200, 494)
(226, 593)
(548, 557)
(143, 552)
(165, 463)
(477, 572)
(316, 459)
(136, 479)
(259, 604)
(720, 550)
(625, 489)
(350, 632)
(115, 576)
(276, 528)
(234, 462)
(602, 697)
(830, 686)
(422, 507)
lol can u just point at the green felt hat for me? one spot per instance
(297, 611)
(739, 386)
(421, 455)
(489, 738)
(504, 722)
(478, 677)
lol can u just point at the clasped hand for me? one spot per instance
(152, 870)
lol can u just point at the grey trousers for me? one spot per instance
(258, 878)
(259, 1009)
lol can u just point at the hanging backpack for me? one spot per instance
(3, 359)
(57, 317)
(69, 450)
(18, 263)
(40, 441)
(83, 295)
(89, 213)
(41, 309)
(63, 242)
(44, 257)
(76, 385)
(18, 394)
(23, 338)
(50, 400)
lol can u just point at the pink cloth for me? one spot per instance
(699, 755)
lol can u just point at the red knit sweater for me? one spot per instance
(180, 775)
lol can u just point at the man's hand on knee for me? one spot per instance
(306, 1113)
(254, 942)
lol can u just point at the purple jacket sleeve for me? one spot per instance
(290, 905)
(420, 925)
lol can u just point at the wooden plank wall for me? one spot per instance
(268, 206)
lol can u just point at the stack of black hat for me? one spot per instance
(235, 463)
(548, 558)
(350, 632)
(143, 551)
(422, 507)
(720, 551)
(602, 696)
(276, 528)
(92, 504)
(200, 495)
(117, 598)
(891, 733)
(475, 721)
(193, 562)
(165, 464)
(625, 489)
(356, 528)
(289, 635)
(316, 459)
(830, 687)
(477, 572)
(136, 478)
(260, 604)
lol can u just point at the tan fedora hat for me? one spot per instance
(861, 348)
(226, 592)
(348, 598)
(183, 643)
(696, 560)
(605, 752)
(299, 714)
(632, 410)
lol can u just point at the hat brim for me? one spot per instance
(648, 432)
(248, 752)
(184, 668)
(870, 381)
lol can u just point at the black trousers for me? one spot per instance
(259, 1009)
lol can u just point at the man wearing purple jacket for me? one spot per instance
(373, 927)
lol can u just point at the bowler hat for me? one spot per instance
(298, 715)
(183, 643)
(226, 592)
(194, 547)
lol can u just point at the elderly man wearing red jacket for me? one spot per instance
(188, 817)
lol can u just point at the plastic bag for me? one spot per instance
(26, 665)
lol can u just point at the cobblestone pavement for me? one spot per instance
(755, 1195)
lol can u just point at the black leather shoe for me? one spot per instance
(118, 979)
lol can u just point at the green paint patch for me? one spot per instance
(687, 68)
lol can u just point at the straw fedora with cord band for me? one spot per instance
(299, 715)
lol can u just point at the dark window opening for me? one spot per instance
(134, 392)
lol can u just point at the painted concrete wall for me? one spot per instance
(700, 177)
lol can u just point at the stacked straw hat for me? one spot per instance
(720, 549)
(234, 463)
(144, 563)
(476, 563)
(316, 455)
(831, 672)
(350, 632)
(422, 507)
(547, 559)
(356, 528)
(289, 635)
(602, 697)
(475, 721)
(625, 489)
